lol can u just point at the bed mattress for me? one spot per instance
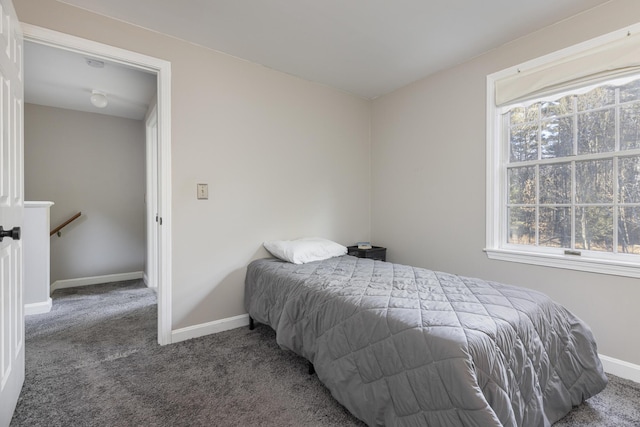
(406, 346)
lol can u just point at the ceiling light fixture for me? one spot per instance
(99, 99)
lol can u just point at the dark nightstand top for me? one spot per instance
(376, 252)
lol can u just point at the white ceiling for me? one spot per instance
(63, 79)
(366, 47)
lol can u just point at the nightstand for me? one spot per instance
(376, 252)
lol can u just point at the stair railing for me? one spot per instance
(64, 224)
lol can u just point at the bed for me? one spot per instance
(405, 346)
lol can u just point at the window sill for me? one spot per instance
(570, 262)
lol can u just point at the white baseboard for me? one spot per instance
(38, 307)
(208, 328)
(95, 280)
(145, 278)
(620, 368)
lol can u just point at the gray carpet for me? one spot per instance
(94, 361)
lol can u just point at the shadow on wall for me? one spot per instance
(222, 302)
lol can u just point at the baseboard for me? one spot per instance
(95, 280)
(620, 368)
(145, 278)
(208, 328)
(38, 307)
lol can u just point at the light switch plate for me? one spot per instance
(203, 191)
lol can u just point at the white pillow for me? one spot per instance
(304, 250)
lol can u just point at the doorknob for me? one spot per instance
(14, 233)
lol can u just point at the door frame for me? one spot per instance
(151, 199)
(162, 69)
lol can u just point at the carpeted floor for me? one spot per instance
(94, 361)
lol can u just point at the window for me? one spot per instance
(563, 163)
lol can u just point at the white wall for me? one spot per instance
(94, 164)
(283, 158)
(428, 200)
(37, 256)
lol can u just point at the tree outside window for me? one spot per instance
(573, 170)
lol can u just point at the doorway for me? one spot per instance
(159, 183)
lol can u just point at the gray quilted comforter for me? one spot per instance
(406, 346)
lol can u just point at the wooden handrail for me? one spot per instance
(64, 224)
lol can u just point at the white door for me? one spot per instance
(11, 212)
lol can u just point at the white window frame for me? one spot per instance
(497, 157)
